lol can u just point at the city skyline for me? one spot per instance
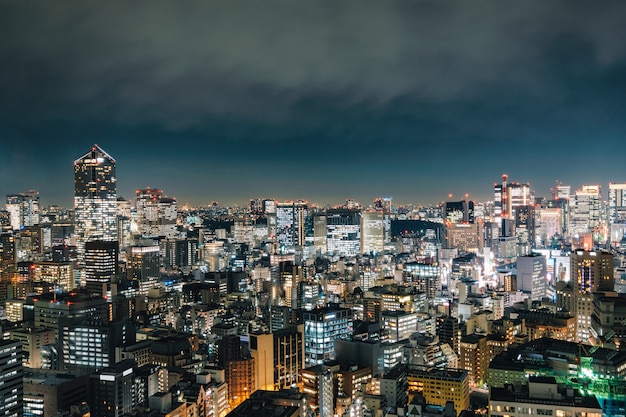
(216, 102)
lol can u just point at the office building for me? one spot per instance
(290, 225)
(279, 357)
(47, 393)
(474, 358)
(101, 259)
(531, 275)
(372, 232)
(456, 212)
(23, 209)
(143, 262)
(343, 234)
(585, 211)
(60, 274)
(617, 212)
(33, 340)
(11, 379)
(423, 276)
(398, 325)
(466, 237)
(321, 327)
(156, 213)
(88, 344)
(111, 390)
(508, 196)
(95, 198)
(283, 403)
(50, 308)
(440, 386)
(592, 271)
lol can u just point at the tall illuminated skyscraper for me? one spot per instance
(95, 198)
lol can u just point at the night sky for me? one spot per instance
(322, 100)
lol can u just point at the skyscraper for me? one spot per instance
(23, 209)
(617, 212)
(156, 213)
(100, 265)
(11, 378)
(290, 219)
(321, 327)
(95, 198)
(585, 210)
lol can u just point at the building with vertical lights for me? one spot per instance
(590, 272)
(279, 357)
(95, 198)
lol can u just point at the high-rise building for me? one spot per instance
(321, 327)
(86, 345)
(585, 210)
(592, 271)
(156, 213)
(23, 209)
(617, 212)
(531, 275)
(100, 265)
(279, 357)
(372, 231)
(143, 265)
(343, 232)
(95, 198)
(57, 273)
(508, 196)
(50, 308)
(474, 358)
(458, 211)
(111, 390)
(11, 379)
(290, 224)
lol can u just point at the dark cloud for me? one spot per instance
(247, 87)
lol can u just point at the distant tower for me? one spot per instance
(95, 198)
